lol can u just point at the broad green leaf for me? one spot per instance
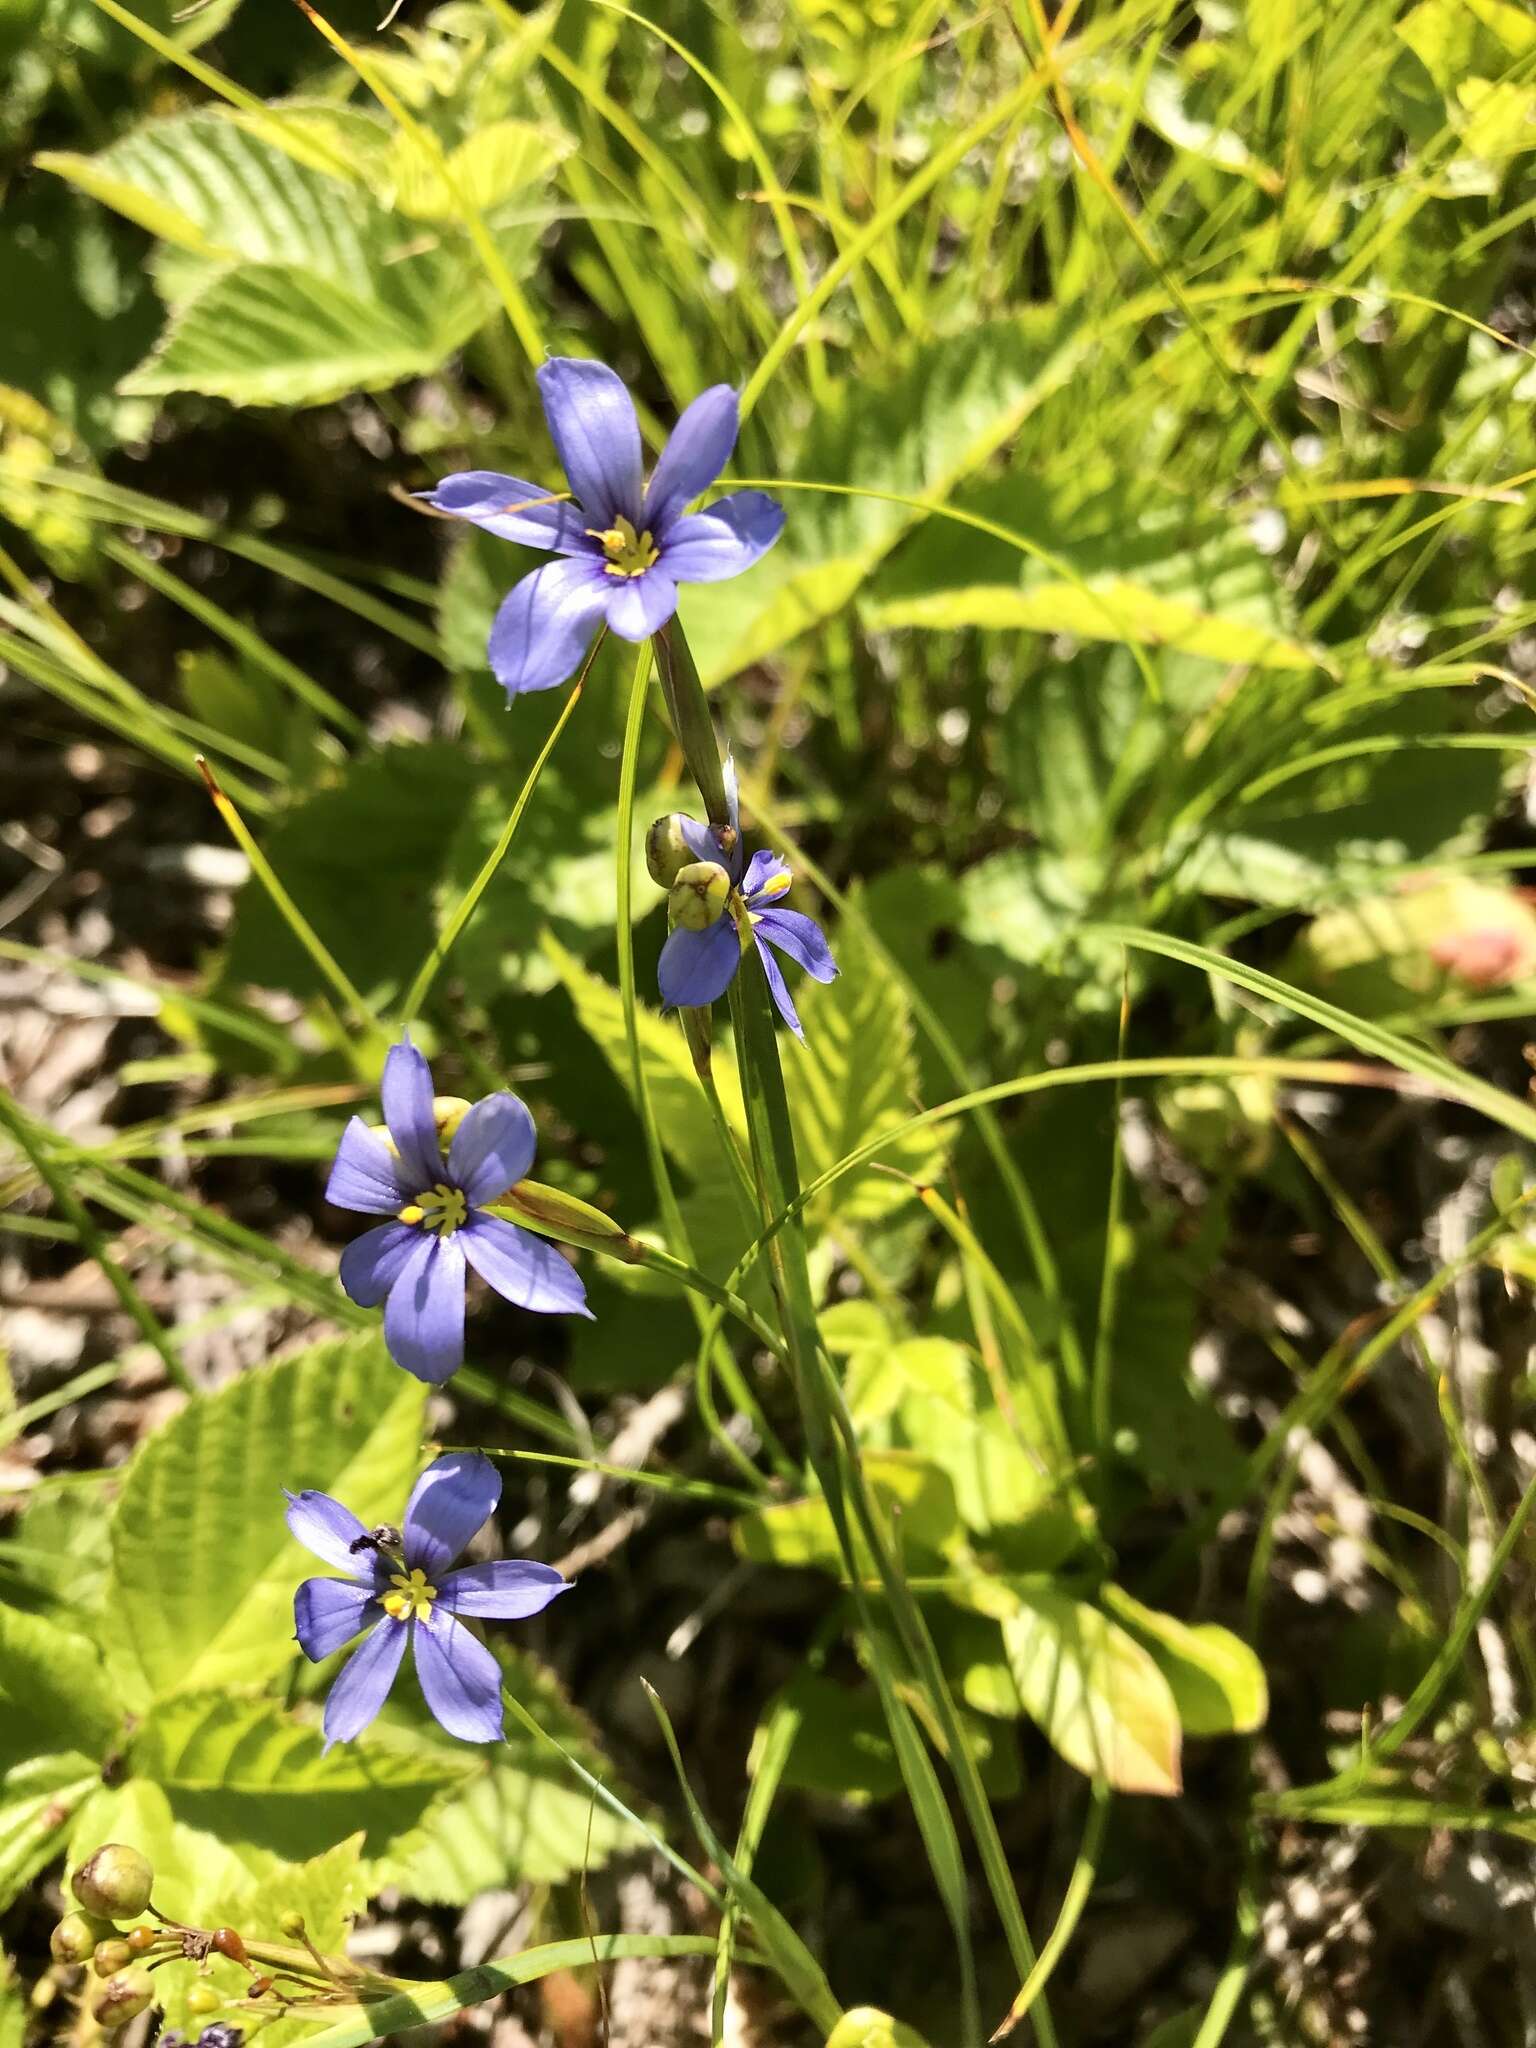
(1029, 905)
(1112, 565)
(916, 1493)
(855, 1076)
(490, 166)
(951, 406)
(54, 1694)
(1094, 1692)
(203, 1568)
(264, 334)
(250, 1773)
(519, 1817)
(196, 1874)
(208, 183)
(1218, 1683)
(39, 1797)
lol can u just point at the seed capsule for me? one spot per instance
(74, 1939)
(666, 850)
(116, 1882)
(699, 895)
(122, 1998)
(291, 1926)
(202, 1998)
(228, 1943)
(110, 1957)
(141, 1938)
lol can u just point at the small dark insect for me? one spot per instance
(384, 1537)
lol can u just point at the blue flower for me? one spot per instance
(416, 1264)
(399, 1587)
(697, 966)
(624, 545)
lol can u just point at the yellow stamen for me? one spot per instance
(443, 1209)
(629, 553)
(412, 1598)
(776, 885)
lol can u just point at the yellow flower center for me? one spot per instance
(443, 1209)
(412, 1597)
(629, 553)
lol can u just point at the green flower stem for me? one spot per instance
(688, 710)
(666, 1195)
(824, 1413)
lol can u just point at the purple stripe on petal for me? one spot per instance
(406, 1092)
(363, 1683)
(802, 938)
(424, 1315)
(365, 1175)
(372, 1263)
(459, 1676)
(777, 990)
(592, 423)
(492, 1149)
(761, 870)
(696, 967)
(638, 605)
(526, 1270)
(329, 1612)
(546, 623)
(699, 449)
(512, 510)
(327, 1528)
(454, 1497)
(509, 1590)
(708, 547)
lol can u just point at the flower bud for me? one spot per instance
(110, 1957)
(115, 1882)
(122, 1998)
(141, 1938)
(74, 1939)
(666, 850)
(291, 1926)
(202, 1998)
(448, 1112)
(699, 895)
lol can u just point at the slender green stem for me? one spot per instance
(427, 973)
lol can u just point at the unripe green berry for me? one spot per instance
(116, 1882)
(74, 1939)
(110, 1957)
(202, 1998)
(122, 1998)
(699, 895)
(291, 1926)
(666, 850)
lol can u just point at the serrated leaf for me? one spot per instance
(250, 1773)
(855, 1077)
(487, 167)
(520, 1817)
(1094, 1692)
(268, 335)
(54, 1694)
(1218, 1683)
(200, 1592)
(38, 1799)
